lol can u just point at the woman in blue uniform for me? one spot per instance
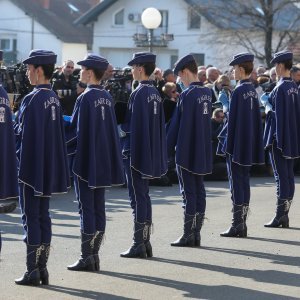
(190, 134)
(43, 165)
(282, 135)
(8, 162)
(97, 162)
(241, 141)
(144, 150)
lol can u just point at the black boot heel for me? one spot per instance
(44, 277)
(149, 249)
(32, 275)
(147, 234)
(199, 223)
(188, 237)
(138, 248)
(237, 228)
(281, 218)
(86, 261)
(43, 259)
(98, 238)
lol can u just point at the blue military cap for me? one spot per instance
(142, 57)
(282, 56)
(241, 58)
(182, 62)
(94, 61)
(40, 57)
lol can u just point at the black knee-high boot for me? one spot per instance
(199, 222)
(281, 218)
(147, 241)
(86, 261)
(237, 228)
(98, 238)
(32, 275)
(43, 259)
(138, 248)
(188, 237)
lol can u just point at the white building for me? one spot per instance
(195, 30)
(43, 24)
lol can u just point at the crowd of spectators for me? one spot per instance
(66, 83)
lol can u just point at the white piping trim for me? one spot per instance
(132, 185)
(184, 194)
(40, 194)
(230, 177)
(95, 187)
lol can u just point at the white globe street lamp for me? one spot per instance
(151, 19)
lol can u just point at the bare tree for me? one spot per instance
(261, 26)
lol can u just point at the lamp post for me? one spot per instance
(151, 19)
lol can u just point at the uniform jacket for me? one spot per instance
(242, 136)
(145, 140)
(8, 161)
(283, 121)
(97, 159)
(190, 130)
(41, 146)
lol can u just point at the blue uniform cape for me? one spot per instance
(41, 148)
(8, 162)
(190, 130)
(98, 159)
(283, 121)
(242, 136)
(145, 140)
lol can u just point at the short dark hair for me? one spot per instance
(97, 72)
(149, 67)
(48, 70)
(191, 66)
(288, 64)
(247, 66)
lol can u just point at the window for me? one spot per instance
(119, 18)
(173, 60)
(5, 44)
(194, 19)
(164, 20)
(199, 57)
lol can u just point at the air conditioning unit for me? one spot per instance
(135, 18)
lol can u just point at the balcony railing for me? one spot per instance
(160, 37)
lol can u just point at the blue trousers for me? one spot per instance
(35, 216)
(91, 204)
(138, 189)
(192, 190)
(239, 182)
(283, 173)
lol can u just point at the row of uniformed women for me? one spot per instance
(93, 140)
(43, 166)
(243, 143)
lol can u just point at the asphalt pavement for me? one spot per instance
(266, 265)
